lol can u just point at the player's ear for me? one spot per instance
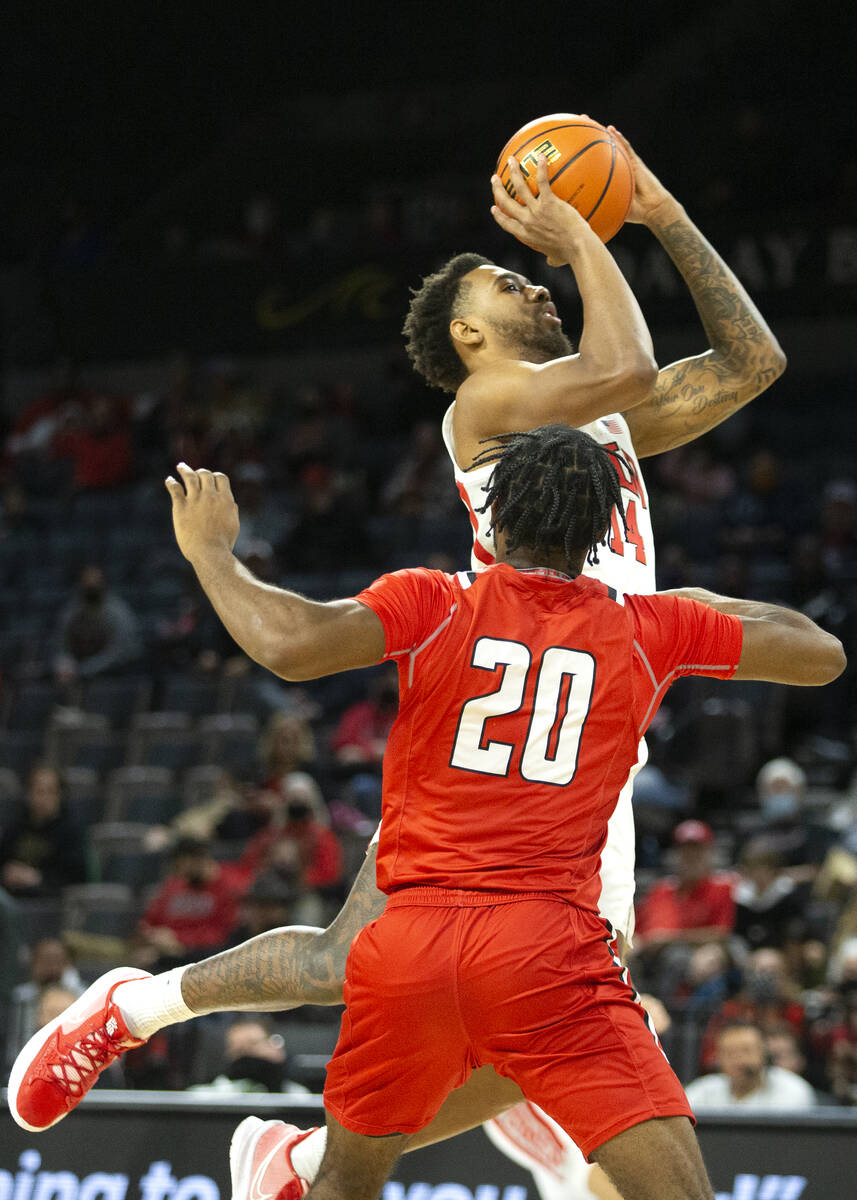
(464, 332)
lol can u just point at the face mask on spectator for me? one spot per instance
(260, 1070)
(93, 594)
(780, 806)
(761, 986)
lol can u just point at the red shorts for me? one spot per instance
(444, 982)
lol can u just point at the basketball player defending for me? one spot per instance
(472, 320)
(524, 691)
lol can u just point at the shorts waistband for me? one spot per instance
(460, 898)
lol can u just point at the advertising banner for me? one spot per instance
(176, 1148)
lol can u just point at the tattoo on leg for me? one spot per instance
(287, 967)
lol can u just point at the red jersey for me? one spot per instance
(523, 697)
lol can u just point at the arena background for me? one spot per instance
(209, 222)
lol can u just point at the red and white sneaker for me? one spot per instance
(61, 1062)
(260, 1160)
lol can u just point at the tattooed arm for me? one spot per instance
(287, 967)
(695, 394)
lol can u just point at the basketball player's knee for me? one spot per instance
(327, 958)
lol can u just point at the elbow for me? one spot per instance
(828, 661)
(836, 659)
(778, 360)
(635, 379)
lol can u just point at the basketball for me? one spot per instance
(586, 165)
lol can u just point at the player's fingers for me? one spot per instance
(206, 480)
(542, 175)
(510, 224)
(189, 477)
(177, 492)
(503, 200)
(221, 483)
(622, 140)
(517, 177)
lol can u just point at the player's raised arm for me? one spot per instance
(294, 637)
(779, 645)
(614, 367)
(695, 394)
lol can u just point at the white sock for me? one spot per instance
(147, 1005)
(307, 1155)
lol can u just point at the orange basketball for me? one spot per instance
(587, 167)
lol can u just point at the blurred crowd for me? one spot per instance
(162, 798)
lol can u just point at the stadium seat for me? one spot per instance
(120, 849)
(118, 698)
(11, 788)
(231, 739)
(164, 739)
(84, 794)
(20, 749)
(191, 694)
(105, 908)
(77, 739)
(141, 793)
(30, 705)
(38, 918)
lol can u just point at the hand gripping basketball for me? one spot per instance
(543, 222)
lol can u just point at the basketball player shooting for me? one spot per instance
(470, 325)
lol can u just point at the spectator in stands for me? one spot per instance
(693, 906)
(769, 997)
(263, 517)
(842, 1057)
(254, 1060)
(746, 1079)
(839, 525)
(270, 902)
(801, 842)
(50, 965)
(43, 850)
(286, 745)
(783, 1049)
(98, 443)
(330, 527)
(9, 964)
(421, 484)
(301, 821)
(362, 732)
(711, 977)
(97, 632)
(193, 913)
(54, 999)
(761, 514)
(769, 905)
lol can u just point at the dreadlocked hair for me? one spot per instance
(552, 488)
(426, 328)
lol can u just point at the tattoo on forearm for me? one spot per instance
(735, 328)
(695, 394)
(285, 968)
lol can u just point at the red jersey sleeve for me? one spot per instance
(674, 636)
(412, 605)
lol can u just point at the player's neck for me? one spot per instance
(555, 560)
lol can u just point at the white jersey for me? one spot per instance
(627, 563)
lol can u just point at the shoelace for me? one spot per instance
(85, 1059)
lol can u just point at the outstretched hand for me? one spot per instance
(544, 222)
(205, 515)
(649, 192)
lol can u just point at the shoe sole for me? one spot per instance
(34, 1046)
(241, 1151)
